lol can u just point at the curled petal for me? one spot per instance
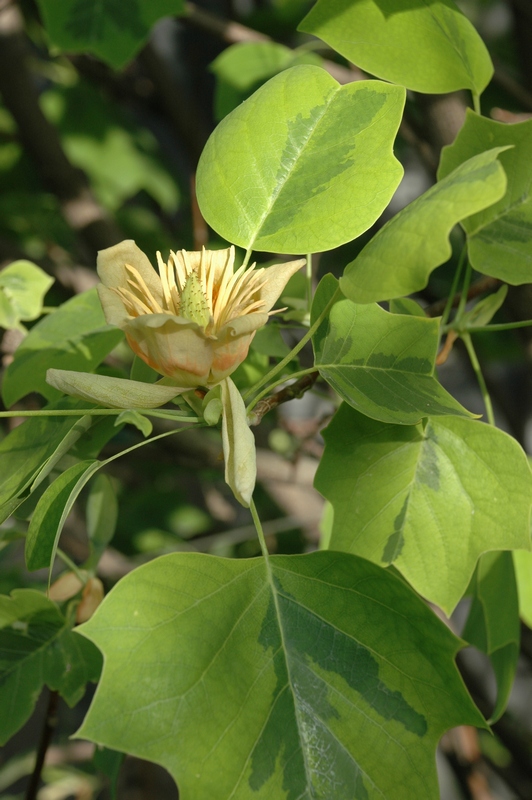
(277, 278)
(110, 392)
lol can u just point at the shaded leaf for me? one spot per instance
(49, 517)
(110, 29)
(493, 621)
(429, 499)
(425, 46)
(401, 256)
(500, 237)
(304, 164)
(29, 451)
(75, 336)
(380, 363)
(313, 676)
(38, 647)
(523, 574)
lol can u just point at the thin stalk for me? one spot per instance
(247, 257)
(268, 378)
(454, 286)
(99, 412)
(309, 281)
(476, 102)
(268, 389)
(70, 564)
(466, 338)
(258, 528)
(503, 326)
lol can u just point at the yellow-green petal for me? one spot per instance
(110, 392)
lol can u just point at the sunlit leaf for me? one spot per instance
(425, 46)
(75, 336)
(429, 499)
(304, 164)
(400, 257)
(500, 237)
(22, 289)
(380, 363)
(312, 676)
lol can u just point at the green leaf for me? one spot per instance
(102, 516)
(401, 256)
(110, 29)
(500, 237)
(49, 516)
(22, 289)
(38, 647)
(523, 574)
(304, 164)
(315, 676)
(380, 363)
(75, 336)
(142, 423)
(429, 499)
(483, 312)
(493, 622)
(425, 46)
(26, 450)
(243, 67)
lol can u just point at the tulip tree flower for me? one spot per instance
(192, 323)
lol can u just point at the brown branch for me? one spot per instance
(292, 392)
(41, 139)
(49, 726)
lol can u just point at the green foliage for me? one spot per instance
(22, 289)
(37, 648)
(500, 237)
(303, 165)
(111, 29)
(401, 256)
(380, 363)
(428, 47)
(493, 626)
(320, 675)
(76, 335)
(429, 498)
(242, 68)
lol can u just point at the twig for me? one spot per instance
(50, 723)
(292, 392)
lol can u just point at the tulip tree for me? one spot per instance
(327, 674)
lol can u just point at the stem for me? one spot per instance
(450, 299)
(309, 281)
(480, 377)
(247, 257)
(503, 326)
(476, 102)
(50, 723)
(73, 567)
(271, 386)
(268, 378)
(100, 412)
(258, 528)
